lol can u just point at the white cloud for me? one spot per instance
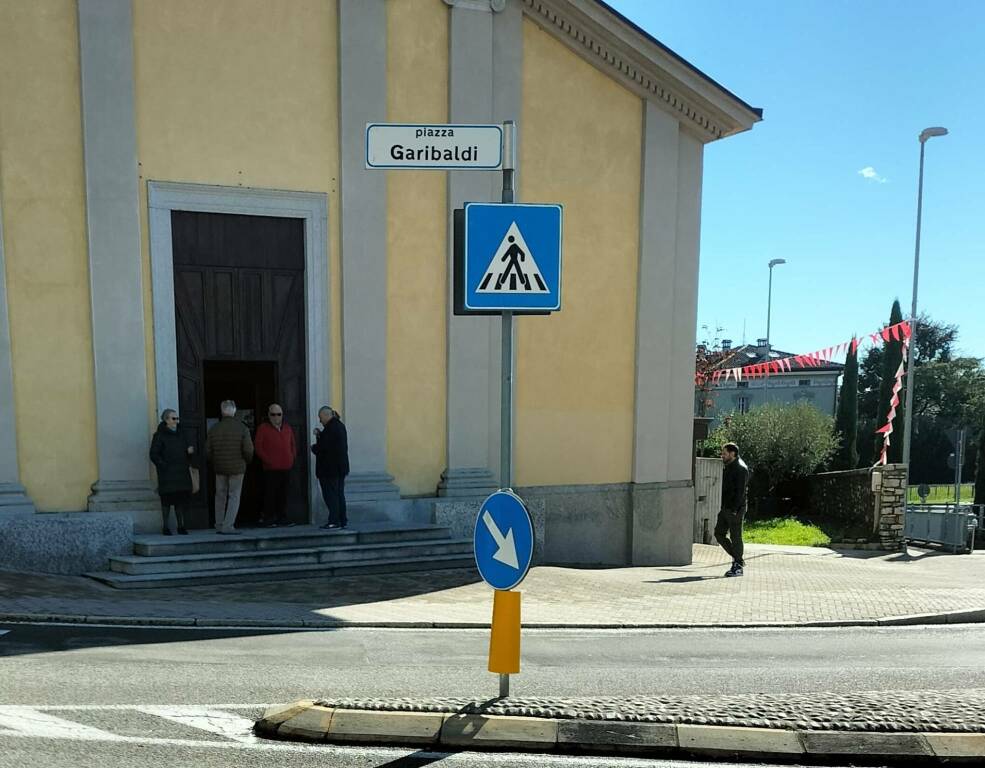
(870, 173)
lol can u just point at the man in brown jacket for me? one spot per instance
(229, 449)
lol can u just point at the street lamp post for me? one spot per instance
(769, 311)
(926, 133)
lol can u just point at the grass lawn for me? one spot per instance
(941, 493)
(784, 530)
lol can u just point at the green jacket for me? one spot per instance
(229, 447)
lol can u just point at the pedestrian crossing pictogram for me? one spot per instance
(513, 268)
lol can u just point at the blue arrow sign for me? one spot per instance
(512, 256)
(503, 540)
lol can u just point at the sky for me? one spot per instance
(828, 179)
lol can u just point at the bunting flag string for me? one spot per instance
(898, 332)
(894, 401)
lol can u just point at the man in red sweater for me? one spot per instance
(276, 448)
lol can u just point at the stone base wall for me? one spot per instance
(592, 525)
(64, 543)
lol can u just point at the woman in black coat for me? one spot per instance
(171, 455)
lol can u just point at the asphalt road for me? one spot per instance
(109, 696)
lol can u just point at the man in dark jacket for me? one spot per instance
(230, 449)
(331, 449)
(735, 478)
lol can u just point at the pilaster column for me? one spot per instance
(13, 498)
(485, 70)
(362, 99)
(110, 152)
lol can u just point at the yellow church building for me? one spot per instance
(186, 216)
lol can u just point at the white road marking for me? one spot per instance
(4, 632)
(25, 721)
(209, 719)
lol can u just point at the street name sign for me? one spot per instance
(435, 147)
(508, 258)
(503, 540)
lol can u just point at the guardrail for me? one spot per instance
(950, 525)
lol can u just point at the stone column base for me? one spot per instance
(663, 523)
(467, 481)
(14, 500)
(370, 486)
(123, 496)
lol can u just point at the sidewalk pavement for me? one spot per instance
(782, 586)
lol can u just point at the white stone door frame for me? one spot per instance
(163, 197)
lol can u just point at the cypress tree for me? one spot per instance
(846, 420)
(890, 362)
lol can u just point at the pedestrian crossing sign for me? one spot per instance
(511, 258)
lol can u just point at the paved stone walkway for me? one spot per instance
(903, 711)
(782, 585)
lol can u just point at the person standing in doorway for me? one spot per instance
(171, 456)
(331, 449)
(728, 530)
(277, 450)
(229, 449)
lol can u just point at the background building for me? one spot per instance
(817, 385)
(187, 216)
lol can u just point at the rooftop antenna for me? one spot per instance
(743, 331)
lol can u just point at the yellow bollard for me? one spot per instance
(504, 639)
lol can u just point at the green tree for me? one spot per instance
(846, 419)
(778, 441)
(892, 355)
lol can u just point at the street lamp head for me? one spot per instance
(774, 262)
(928, 133)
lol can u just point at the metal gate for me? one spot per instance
(951, 525)
(707, 498)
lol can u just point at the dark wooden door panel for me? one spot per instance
(239, 297)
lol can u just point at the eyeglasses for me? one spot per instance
(275, 413)
(173, 418)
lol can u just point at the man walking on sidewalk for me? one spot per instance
(276, 448)
(331, 449)
(735, 478)
(229, 450)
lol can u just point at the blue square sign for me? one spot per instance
(512, 257)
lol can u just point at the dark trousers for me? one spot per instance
(180, 507)
(275, 485)
(730, 523)
(333, 491)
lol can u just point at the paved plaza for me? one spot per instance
(782, 586)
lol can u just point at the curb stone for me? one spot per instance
(975, 616)
(305, 720)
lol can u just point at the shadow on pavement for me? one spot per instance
(23, 639)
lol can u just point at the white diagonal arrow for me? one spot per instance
(505, 548)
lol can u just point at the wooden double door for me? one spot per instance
(240, 327)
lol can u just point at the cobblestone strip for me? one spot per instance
(878, 711)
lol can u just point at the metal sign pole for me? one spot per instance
(506, 389)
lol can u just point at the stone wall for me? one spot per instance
(874, 518)
(891, 506)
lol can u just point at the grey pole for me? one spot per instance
(927, 133)
(769, 315)
(506, 393)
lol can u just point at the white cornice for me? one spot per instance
(703, 107)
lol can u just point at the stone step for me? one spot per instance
(281, 573)
(183, 563)
(299, 537)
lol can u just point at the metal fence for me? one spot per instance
(707, 498)
(950, 525)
